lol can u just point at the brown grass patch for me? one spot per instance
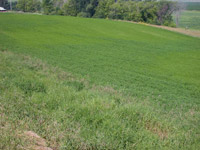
(156, 128)
(36, 142)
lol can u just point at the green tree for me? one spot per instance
(29, 5)
(165, 10)
(116, 11)
(91, 7)
(21, 5)
(70, 8)
(47, 6)
(148, 12)
(80, 7)
(103, 8)
(132, 11)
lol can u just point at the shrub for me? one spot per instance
(83, 14)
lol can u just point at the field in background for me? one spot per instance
(106, 84)
(192, 5)
(190, 20)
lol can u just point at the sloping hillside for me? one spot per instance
(97, 84)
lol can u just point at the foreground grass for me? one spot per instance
(70, 114)
(190, 20)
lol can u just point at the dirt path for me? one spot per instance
(194, 33)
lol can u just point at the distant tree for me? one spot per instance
(133, 11)
(33, 5)
(116, 11)
(29, 5)
(80, 7)
(47, 6)
(22, 5)
(148, 12)
(58, 5)
(91, 7)
(103, 8)
(165, 9)
(70, 8)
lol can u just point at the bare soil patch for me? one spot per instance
(38, 143)
(194, 33)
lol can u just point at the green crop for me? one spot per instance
(98, 84)
(189, 20)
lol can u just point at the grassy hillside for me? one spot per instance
(127, 85)
(190, 19)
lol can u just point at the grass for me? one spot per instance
(37, 97)
(97, 84)
(190, 19)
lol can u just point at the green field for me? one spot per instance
(190, 20)
(97, 84)
(192, 5)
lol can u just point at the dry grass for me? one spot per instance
(194, 33)
(37, 142)
(157, 129)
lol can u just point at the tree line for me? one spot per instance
(148, 11)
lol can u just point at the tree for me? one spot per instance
(103, 8)
(21, 5)
(165, 10)
(29, 5)
(47, 6)
(91, 7)
(85, 8)
(148, 12)
(70, 8)
(132, 11)
(116, 11)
